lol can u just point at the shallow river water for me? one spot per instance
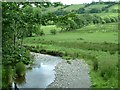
(42, 73)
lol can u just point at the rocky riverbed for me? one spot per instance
(74, 75)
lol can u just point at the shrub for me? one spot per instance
(41, 33)
(53, 31)
(20, 69)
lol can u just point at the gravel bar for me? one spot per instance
(74, 75)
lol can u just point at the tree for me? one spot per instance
(66, 22)
(31, 17)
(14, 29)
(79, 21)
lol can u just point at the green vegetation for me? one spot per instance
(48, 28)
(96, 6)
(89, 32)
(93, 42)
(73, 7)
(20, 69)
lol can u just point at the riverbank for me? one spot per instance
(74, 75)
(96, 44)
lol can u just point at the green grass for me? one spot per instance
(47, 29)
(74, 7)
(104, 15)
(52, 9)
(97, 37)
(112, 8)
(93, 42)
(97, 6)
(92, 33)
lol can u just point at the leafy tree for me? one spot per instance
(31, 17)
(48, 17)
(15, 27)
(79, 21)
(66, 22)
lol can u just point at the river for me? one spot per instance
(42, 73)
(54, 72)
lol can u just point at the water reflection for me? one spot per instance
(42, 73)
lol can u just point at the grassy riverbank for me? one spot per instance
(96, 44)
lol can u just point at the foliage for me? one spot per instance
(60, 12)
(7, 74)
(41, 32)
(15, 28)
(66, 22)
(20, 69)
(53, 31)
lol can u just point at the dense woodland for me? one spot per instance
(21, 20)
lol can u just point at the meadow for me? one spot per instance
(96, 44)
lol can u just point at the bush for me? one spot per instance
(53, 31)
(20, 69)
(41, 33)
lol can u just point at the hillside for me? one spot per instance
(103, 9)
(74, 7)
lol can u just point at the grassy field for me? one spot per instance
(104, 15)
(97, 6)
(47, 29)
(74, 7)
(52, 9)
(93, 43)
(113, 8)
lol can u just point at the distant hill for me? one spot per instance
(94, 7)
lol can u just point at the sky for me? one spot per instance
(77, 1)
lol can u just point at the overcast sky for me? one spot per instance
(77, 1)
